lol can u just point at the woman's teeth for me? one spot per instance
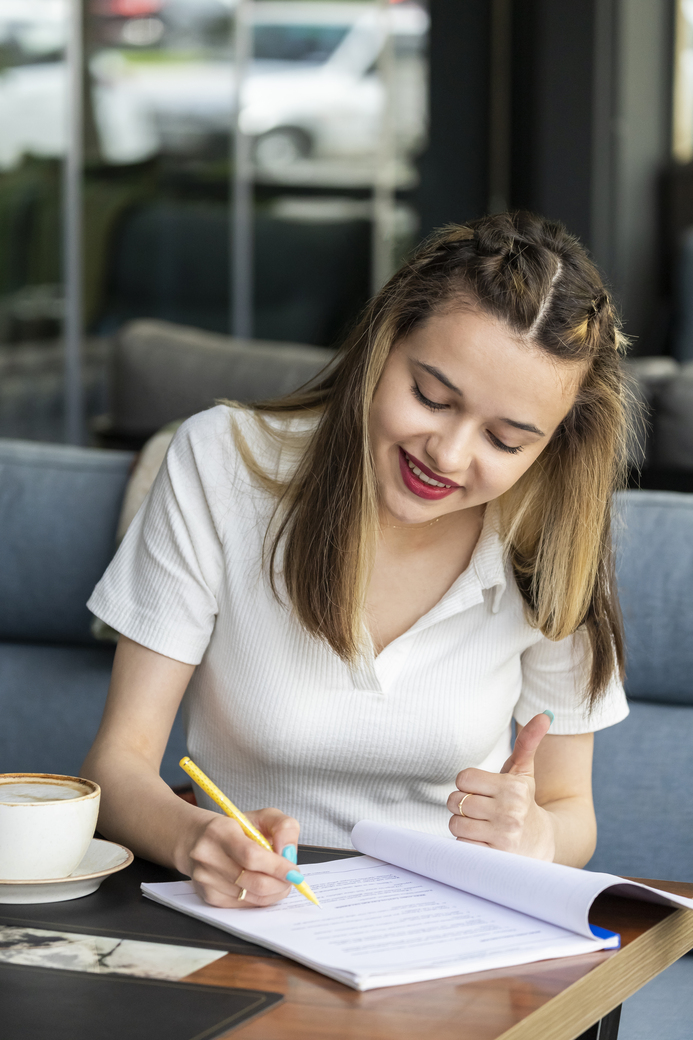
(422, 476)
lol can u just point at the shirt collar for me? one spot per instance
(486, 570)
(488, 558)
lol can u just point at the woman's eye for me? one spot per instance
(433, 405)
(504, 447)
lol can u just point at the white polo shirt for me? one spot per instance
(272, 714)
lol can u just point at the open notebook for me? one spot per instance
(418, 907)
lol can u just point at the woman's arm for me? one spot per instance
(142, 811)
(539, 805)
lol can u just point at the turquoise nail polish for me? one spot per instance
(289, 852)
(549, 713)
(295, 877)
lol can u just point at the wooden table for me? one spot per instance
(550, 1000)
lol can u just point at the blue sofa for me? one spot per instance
(643, 775)
(643, 768)
(59, 509)
(58, 512)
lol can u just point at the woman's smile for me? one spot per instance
(421, 480)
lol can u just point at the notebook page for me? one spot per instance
(550, 891)
(381, 925)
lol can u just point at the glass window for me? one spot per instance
(683, 83)
(32, 147)
(241, 157)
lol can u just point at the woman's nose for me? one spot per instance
(452, 452)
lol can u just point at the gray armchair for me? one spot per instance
(160, 372)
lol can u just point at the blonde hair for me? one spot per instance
(555, 521)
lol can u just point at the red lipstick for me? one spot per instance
(420, 487)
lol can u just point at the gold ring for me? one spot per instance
(460, 809)
(244, 891)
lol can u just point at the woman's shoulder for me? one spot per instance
(203, 443)
(213, 424)
(235, 440)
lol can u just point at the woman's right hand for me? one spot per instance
(223, 861)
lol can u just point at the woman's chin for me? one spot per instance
(402, 514)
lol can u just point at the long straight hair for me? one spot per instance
(530, 274)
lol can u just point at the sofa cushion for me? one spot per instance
(672, 434)
(51, 701)
(642, 794)
(654, 537)
(163, 372)
(58, 513)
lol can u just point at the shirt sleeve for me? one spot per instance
(161, 587)
(554, 676)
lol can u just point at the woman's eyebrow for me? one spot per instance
(442, 378)
(529, 427)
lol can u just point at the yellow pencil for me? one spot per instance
(203, 781)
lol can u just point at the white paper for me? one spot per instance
(381, 925)
(551, 891)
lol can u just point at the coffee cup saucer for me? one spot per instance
(101, 859)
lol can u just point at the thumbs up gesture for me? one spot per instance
(521, 762)
(499, 809)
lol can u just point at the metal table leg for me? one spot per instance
(605, 1029)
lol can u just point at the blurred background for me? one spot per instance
(256, 169)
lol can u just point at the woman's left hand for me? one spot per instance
(499, 809)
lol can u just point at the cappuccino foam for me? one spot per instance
(25, 793)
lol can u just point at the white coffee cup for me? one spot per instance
(46, 824)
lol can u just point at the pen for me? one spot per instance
(203, 782)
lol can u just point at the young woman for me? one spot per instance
(358, 587)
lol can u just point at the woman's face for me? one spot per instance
(462, 410)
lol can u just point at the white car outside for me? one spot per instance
(326, 103)
(335, 108)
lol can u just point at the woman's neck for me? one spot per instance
(414, 567)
